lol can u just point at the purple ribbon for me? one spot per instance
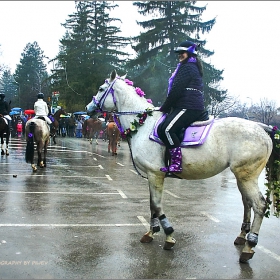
(170, 82)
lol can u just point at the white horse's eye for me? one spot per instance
(100, 89)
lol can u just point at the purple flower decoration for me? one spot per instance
(30, 135)
(130, 83)
(275, 128)
(150, 101)
(140, 92)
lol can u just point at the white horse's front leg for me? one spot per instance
(157, 216)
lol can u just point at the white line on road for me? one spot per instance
(120, 164)
(172, 194)
(133, 171)
(122, 194)
(144, 222)
(70, 225)
(72, 176)
(268, 252)
(210, 217)
(68, 193)
(108, 177)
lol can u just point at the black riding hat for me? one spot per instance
(40, 95)
(187, 46)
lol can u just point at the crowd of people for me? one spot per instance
(70, 126)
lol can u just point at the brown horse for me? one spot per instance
(91, 129)
(55, 123)
(113, 135)
(4, 133)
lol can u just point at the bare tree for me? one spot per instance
(224, 108)
(263, 112)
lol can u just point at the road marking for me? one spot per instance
(71, 225)
(172, 194)
(120, 164)
(68, 193)
(144, 222)
(82, 166)
(96, 154)
(210, 217)
(268, 252)
(72, 151)
(122, 194)
(133, 171)
(71, 176)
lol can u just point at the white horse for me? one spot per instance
(242, 145)
(36, 131)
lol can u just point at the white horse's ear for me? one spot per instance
(123, 77)
(113, 75)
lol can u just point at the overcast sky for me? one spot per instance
(244, 38)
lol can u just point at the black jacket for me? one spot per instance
(4, 107)
(187, 76)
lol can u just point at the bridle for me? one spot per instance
(99, 104)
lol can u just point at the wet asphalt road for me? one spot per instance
(82, 218)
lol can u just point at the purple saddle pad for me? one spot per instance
(194, 135)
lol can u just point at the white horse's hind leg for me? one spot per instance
(252, 198)
(157, 216)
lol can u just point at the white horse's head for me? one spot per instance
(104, 99)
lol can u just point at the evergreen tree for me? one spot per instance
(9, 88)
(88, 51)
(31, 76)
(172, 23)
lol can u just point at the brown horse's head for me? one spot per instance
(59, 112)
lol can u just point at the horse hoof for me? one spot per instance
(168, 245)
(239, 241)
(146, 239)
(246, 256)
(2, 153)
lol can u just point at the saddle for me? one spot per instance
(194, 135)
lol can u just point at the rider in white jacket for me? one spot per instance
(41, 108)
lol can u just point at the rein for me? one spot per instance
(127, 139)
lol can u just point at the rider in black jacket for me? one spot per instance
(184, 103)
(5, 109)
